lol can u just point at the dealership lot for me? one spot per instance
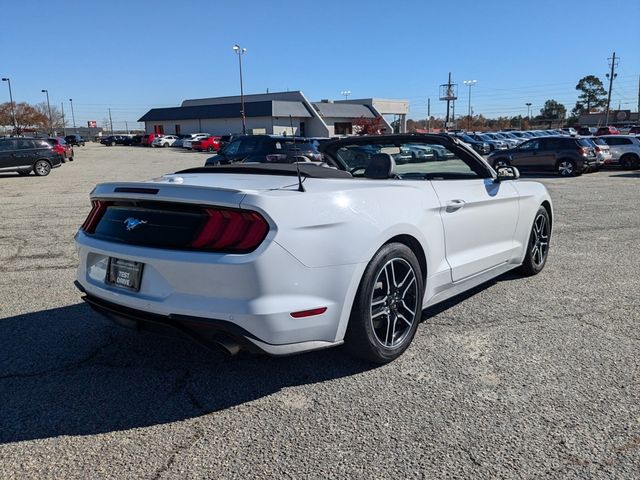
(524, 378)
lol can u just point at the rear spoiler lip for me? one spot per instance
(178, 193)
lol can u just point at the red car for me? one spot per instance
(210, 144)
(61, 147)
(148, 139)
(607, 131)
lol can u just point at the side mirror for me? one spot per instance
(507, 173)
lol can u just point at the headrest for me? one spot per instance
(381, 166)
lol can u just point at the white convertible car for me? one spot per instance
(286, 258)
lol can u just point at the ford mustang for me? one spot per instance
(282, 258)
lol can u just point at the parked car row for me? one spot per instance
(38, 155)
(569, 156)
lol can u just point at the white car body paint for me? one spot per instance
(319, 244)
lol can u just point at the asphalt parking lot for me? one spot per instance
(522, 378)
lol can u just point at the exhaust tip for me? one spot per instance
(227, 344)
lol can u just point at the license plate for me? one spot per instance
(124, 273)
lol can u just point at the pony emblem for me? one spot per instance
(132, 223)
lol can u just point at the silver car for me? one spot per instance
(625, 150)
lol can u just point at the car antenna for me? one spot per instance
(300, 186)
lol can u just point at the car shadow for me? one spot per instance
(15, 175)
(68, 371)
(633, 174)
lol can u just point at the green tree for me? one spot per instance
(592, 96)
(553, 111)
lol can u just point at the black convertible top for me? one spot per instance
(284, 169)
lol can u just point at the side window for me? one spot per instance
(7, 145)
(232, 148)
(531, 145)
(25, 144)
(248, 145)
(614, 141)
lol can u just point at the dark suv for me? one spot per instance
(26, 155)
(567, 156)
(112, 140)
(267, 149)
(74, 140)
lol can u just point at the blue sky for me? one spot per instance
(132, 56)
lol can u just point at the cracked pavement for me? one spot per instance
(522, 378)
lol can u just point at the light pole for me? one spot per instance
(528, 104)
(73, 115)
(64, 121)
(13, 112)
(469, 83)
(241, 51)
(49, 108)
(345, 94)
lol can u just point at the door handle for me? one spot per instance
(453, 205)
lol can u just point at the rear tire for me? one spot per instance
(538, 245)
(42, 168)
(629, 161)
(388, 306)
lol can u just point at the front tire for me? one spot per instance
(388, 305)
(538, 246)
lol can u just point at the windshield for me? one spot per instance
(408, 160)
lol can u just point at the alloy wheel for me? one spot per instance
(540, 240)
(394, 303)
(565, 168)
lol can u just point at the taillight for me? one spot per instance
(98, 207)
(231, 230)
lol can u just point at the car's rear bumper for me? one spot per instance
(256, 292)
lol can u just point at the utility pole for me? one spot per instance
(611, 76)
(110, 122)
(429, 115)
(64, 122)
(126, 125)
(638, 110)
(73, 115)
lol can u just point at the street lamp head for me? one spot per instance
(236, 47)
(470, 83)
(5, 79)
(71, 99)
(44, 91)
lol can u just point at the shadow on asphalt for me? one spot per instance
(68, 371)
(634, 174)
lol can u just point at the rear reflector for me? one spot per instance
(309, 313)
(231, 230)
(98, 207)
